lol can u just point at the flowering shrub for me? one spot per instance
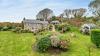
(54, 41)
(64, 44)
(51, 41)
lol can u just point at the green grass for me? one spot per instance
(13, 44)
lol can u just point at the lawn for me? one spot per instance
(14, 44)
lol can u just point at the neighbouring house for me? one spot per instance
(34, 25)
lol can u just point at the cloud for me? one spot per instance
(16, 10)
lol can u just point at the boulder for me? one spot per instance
(86, 28)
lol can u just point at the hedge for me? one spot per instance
(95, 37)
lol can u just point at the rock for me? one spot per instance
(85, 29)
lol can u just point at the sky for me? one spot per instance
(16, 10)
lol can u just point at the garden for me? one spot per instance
(72, 33)
(67, 41)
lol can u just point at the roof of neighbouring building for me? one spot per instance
(35, 21)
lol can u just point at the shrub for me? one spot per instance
(20, 30)
(58, 27)
(54, 41)
(63, 27)
(11, 27)
(50, 27)
(5, 28)
(17, 30)
(25, 31)
(95, 36)
(64, 44)
(76, 22)
(50, 41)
(43, 44)
(1, 28)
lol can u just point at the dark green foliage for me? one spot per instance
(11, 27)
(53, 18)
(58, 27)
(17, 30)
(25, 31)
(63, 28)
(1, 28)
(20, 30)
(5, 28)
(43, 44)
(51, 41)
(95, 37)
(50, 27)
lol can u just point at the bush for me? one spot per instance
(1, 28)
(50, 41)
(59, 43)
(5, 28)
(54, 41)
(95, 36)
(17, 30)
(25, 31)
(20, 30)
(64, 44)
(63, 27)
(50, 27)
(11, 27)
(43, 44)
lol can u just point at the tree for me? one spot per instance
(53, 18)
(61, 15)
(45, 14)
(76, 13)
(22, 23)
(67, 12)
(95, 7)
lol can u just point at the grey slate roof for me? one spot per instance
(35, 21)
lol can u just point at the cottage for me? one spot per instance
(34, 25)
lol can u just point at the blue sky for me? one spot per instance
(16, 10)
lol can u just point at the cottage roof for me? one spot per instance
(34, 21)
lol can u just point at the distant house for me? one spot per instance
(34, 25)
